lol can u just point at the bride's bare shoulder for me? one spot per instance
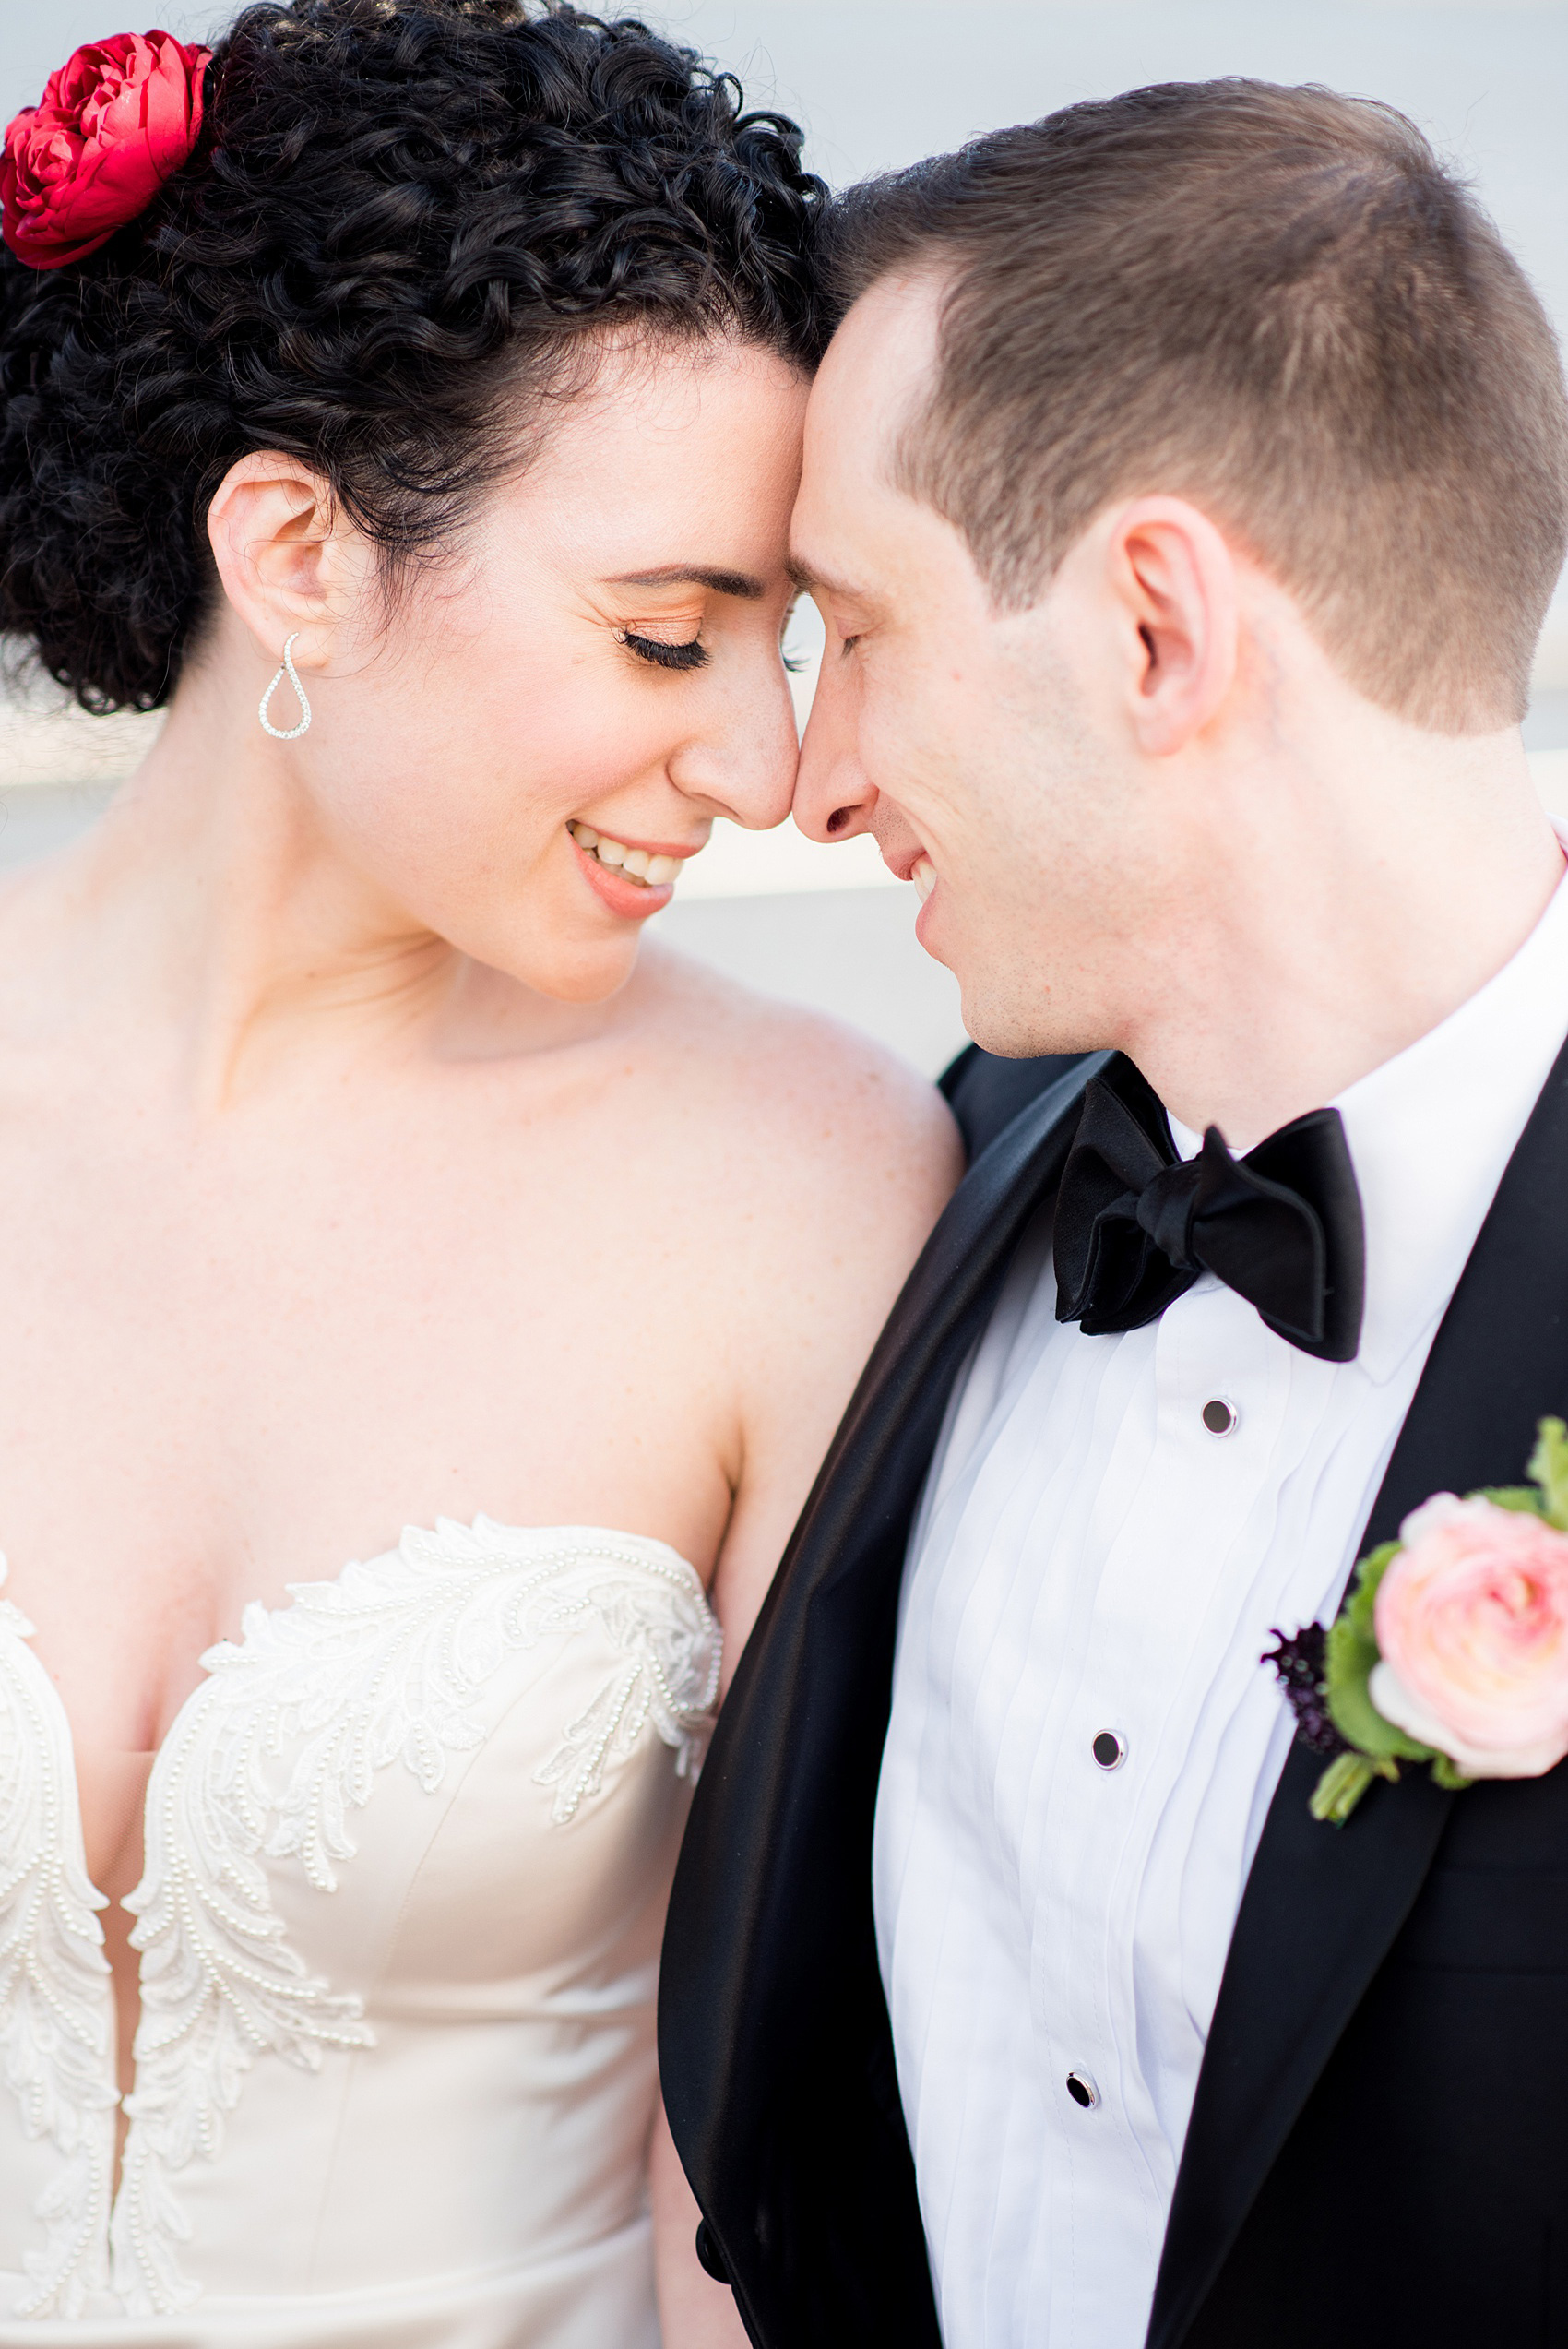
(808, 1165)
(795, 1091)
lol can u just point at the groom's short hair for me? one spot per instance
(1276, 302)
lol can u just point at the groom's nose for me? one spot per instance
(834, 796)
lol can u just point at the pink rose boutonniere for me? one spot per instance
(117, 120)
(1452, 1648)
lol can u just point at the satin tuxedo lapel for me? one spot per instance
(775, 2048)
(1324, 1907)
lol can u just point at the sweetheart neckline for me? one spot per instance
(257, 1613)
(14, 1619)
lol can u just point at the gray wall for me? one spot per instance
(878, 82)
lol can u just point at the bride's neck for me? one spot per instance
(212, 908)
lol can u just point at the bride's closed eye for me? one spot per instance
(693, 655)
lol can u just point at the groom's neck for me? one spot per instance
(1329, 904)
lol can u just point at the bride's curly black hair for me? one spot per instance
(401, 217)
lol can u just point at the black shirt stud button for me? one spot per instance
(709, 2255)
(1109, 1750)
(1220, 1417)
(1082, 2089)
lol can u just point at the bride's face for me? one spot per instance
(598, 658)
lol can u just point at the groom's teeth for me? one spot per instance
(639, 862)
(924, 877)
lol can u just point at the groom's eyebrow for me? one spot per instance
(807, 579)
(739, 583)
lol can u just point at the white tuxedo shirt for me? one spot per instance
(1088, 1557)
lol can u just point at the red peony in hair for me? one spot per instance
(113, 125)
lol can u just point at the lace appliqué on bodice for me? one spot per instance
(53, 1978)
(267, 1761)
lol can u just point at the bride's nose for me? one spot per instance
(743, 758)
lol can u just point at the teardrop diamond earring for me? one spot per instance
(286, 733)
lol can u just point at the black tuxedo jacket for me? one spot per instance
(1378, 2153)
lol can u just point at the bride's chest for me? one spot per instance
(208, 1394)
(429, 1785)
(436, 1714)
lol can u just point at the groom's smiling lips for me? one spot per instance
(913, 863)
(914, 866)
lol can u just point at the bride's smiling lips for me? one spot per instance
(633, 878)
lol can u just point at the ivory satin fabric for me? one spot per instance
(407, 1853)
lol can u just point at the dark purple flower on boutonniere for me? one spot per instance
(1300, 1663)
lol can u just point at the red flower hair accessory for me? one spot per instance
(116, 120)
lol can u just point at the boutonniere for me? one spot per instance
(1451, 1648)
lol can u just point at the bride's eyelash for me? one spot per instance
(793, 661)
(693, 655)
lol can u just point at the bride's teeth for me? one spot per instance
(640, 863)
(924, 877)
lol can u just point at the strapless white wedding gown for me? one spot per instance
(408, 1852)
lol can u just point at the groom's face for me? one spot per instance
(967, 740)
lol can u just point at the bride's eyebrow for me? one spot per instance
(739, 583)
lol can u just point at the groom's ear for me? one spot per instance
(1172, 578)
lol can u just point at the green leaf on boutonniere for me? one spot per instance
(1342, 1785)
(1349, 1655)
(1549, 1467)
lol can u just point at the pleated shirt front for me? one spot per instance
(1090, 1558)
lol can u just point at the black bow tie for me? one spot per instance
(1136, 1225)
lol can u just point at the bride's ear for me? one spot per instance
(289, 560)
